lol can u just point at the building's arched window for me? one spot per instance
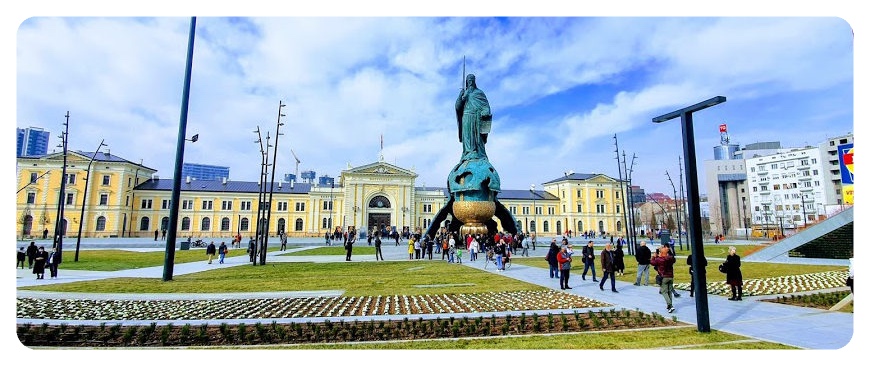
(282, 225)
(579, 226)
(532, 227)
(379, 202)
(225, 224)
(558, 227)
(144, 223)
(298, 224)
(185, 224)
(546, 226)
(101, 224)
(325, 224)
(601, 226)
(519, 225)
(244, 225)
(164, 223)
(206, 224)
(619, 226)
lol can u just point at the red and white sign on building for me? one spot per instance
(723, 128)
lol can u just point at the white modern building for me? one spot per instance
(786, 190)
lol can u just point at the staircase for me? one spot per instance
(830, 239)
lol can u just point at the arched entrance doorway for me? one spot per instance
(379, 216)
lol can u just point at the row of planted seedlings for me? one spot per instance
(170, 335)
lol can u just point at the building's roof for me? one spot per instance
(578, 176)
(100, 157)
(219, 186)
(525, 194)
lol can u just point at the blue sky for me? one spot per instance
(560, 88)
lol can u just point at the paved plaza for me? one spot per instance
(791, 325)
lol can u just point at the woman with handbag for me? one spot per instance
(733, 275)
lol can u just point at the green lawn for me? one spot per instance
(116, 259)
(356, 278)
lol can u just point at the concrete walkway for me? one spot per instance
(791, 325)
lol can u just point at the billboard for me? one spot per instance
(847, 173)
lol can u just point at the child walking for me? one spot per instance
(459, 255)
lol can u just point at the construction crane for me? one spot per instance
(297, 162)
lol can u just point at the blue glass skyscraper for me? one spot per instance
(32, 141)
(204, 171)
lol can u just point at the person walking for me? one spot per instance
(451, 253)
(733, 275)
(222, 252)
(588, 260)
(618, 260)
(525, 244)
(163, 234)
(445, 244)
(553, 260)
(692, 273)
(607, 267)
(210, 251)
(499, 254)
(21, 257)
(378, 252)
(283, 241)
(156, 232)
(473, 248)
(417, 247)
(664, 263)
(39, 260)
(564, 260)
(428, 246)
(642, 256)
(31, 254)
(51, 262)
(459, 255)
(351, 238)
(252, 249)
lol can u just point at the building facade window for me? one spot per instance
(101, 224)
(70, 199)
(185, 224)
(243, 226)
(300, 206)
(144, 223)
(106, 179)
(104, 199)
(282, 206)
(245, 205)
(31, 198)
(187, 204)
(33, 177)
(206, 224)
(546, 226)
(599, 193)
(146, 204)
(207, 205)
(227, 205)
(225, 224)
(298, 224)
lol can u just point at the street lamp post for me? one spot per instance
(623, 189)
(745, 219)
(404, 221)
(85, 199)
(271, 183)
(804, 208)
(169, 256)
(692, 195)
(59, 227)
(329, 226)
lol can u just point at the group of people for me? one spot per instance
(37, 260)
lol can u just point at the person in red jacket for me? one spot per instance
(564, 259)
(663, 261)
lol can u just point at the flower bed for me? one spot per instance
(333, 332)
(75, 309)
(778, 285)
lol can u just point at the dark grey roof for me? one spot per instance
(219, 186)
(525, 194)
(577, 176)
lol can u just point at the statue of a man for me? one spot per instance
(474, 119)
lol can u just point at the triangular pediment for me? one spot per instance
(601, 178)
(381, 168)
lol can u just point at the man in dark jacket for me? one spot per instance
(210, 251)
(552, 260)
(348, 245)
(588, 260)
(607, 266)
(31, 254)
(664, 262)
(643, 256)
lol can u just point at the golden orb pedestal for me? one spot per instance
(473, 214)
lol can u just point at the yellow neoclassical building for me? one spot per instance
(128, 199)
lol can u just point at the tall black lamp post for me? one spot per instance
(60, 225)
(693, 198)
(169, 257)
(85, 199)
(534, 211)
